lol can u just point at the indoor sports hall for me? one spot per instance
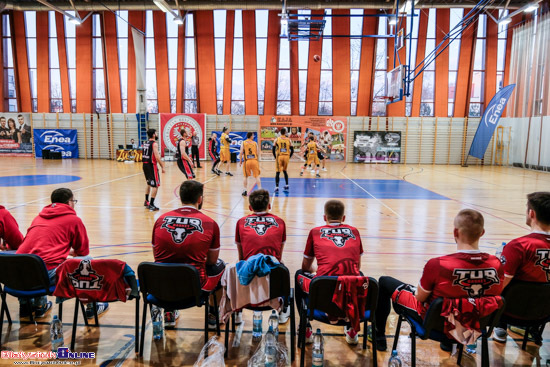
(417, 110)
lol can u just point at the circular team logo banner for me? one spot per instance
(171, 124)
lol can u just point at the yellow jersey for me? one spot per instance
(311, 148)
(250, 149)
(283, 145)
(224, 141)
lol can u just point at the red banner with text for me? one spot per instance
(172, 123)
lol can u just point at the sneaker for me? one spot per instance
(146, 203)
(500, 334)
(286, 188)
(381, 343)
(100, 307)
(446, 346)
(170, 318)
(153, 208)
(244, 193)
(351, 335)
(283, 315)
(41, 311)
(312, 171)
(218, 172)
(324, 169)
(238, 318)
(318, 175)
(215, 172)
(309, 334)
(521, 331)
(229, 173)
(212, 321)
(276, 190)
(195, 176)
(301, 173)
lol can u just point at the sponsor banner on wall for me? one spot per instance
(237, 138)
(15, 134)
(172, 123)
(56, 140)
(330, 132)
(377, 147)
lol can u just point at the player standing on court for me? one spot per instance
(225, 154)
(151, 157)
(249, 161)
(185, 163)
(213, 151)
(282, 151)
(311, 149)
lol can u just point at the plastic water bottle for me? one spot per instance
(318, 357)
(471, 348)
(498, 253)
(257, 325)
(394, 361)
(158, 327)
(56, 333)
(270, 348)
(273, 323)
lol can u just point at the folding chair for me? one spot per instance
(160, 285)
(433, 326)
(319, 304)
(527, 305)
(95, 294)
(279, 286)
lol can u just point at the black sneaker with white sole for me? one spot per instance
(101, 307)
(153, 208)
(229, 173)
(41, 311)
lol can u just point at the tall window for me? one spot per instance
(412, 26)
(122, 42)
(325, 88)
(478, 76)
(30, 27)
(70, 41)
(303, 59)
(10, 98)
(501, 51)
(150, 64)
(56, 98)
(98, 72)
(172, 42)
(428, 80)
(262, 17)
(237, 89)
(380, 70)
(190, 97)
(356, 29)
(220, 17)
(283, 90)
(454, 56)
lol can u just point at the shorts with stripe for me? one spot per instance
(282, 163)
(186, 168)
(151, 174)
(251, 167)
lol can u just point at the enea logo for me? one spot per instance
(494, 112)
(51, 137)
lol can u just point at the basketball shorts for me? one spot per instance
(215, 156)
(282, 163)
(225, 156)
(312, 159)
(251, 168)
(151, 175)
(186, 168)
(320, 155)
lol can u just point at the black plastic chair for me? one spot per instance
(527, 305)
(319, 304)
(433, 326)
(134, 294)
(160, 285)
(279, 286)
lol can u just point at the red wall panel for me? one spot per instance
(272, 63)
(249, 59)
(491, 59)
(42, 62)
(111, 62)
(442, 65)
(63, 70)
(228, 67)
(180, 86)
(206, 72)
(397, 108)
(464, 77)
(314, 71)
(420, 54)
(137, 19)
(20, 61)
(366, 67)
(161, 61)
(341, 85)
(84, 79)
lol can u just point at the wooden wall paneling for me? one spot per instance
(20, 61)
(3, 86)
(228, 61)
(249, 62)
(42, 62)
(84, 76)
(341, 74)
(420, 55)
(465, 70)
(491, 47)
(161, 61)
(294, 79)
(442, 65)
(397, 108)
(272, 63)
(112, 66)
(206, 69)
(314, 71)
(367, 65)
(63, 68)
(137, 19)
(180, 86)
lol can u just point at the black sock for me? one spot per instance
(146, 197)
(286, 177)
(277, 178)
(152, 201)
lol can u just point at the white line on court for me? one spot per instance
(204, 183)
(372, 196)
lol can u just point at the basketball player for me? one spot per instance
(213, 151)
(185, 163)
(527, 259)
(249, 161)
(312, 158)
(282, 151)
(187, 236)
(448, 276)
(337, 247)
(151, 157)
(225, 154)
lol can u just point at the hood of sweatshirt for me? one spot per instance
(56, 210)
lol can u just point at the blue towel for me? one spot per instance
(258, 265)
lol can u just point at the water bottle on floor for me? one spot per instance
(498, 253)
(56, 333)
(273, 323)
(471, 348)
(257, 325)
(157, 317)
(270, 348)
(318, 356)
(394, 361)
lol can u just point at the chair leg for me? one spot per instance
(302, 339)
(226, 339)
(83, 313)
(206, 322)
(460, 350)
(484, 352)
(217, 313)
(5, 307)
(60, 312)
(525, 337)
(365, 335)
(397, 331)
(292, 329)
(374, 345)
(143, 322)
(94, 306)
(137, 326)
(29, 308)
(75, 320)
(233, 322)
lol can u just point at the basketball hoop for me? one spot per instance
(386, 99)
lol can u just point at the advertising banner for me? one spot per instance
(15, 134)
(330, 132)
(377, 147)
(172, 123)
(56, 140)
(237, 138)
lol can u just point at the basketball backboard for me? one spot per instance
(394, 83)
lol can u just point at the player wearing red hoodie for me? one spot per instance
(10, 236)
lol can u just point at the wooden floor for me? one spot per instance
(400, 228)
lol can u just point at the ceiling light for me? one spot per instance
(162, 5)
(178, 20)
(531, 8)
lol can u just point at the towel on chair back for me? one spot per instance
(92, 280)
(350, 295)
(256, 266)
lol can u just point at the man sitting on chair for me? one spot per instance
(260, 233)
(338, 249)
(10, 236)
(187, 236)
(528, 258)
(450, 276)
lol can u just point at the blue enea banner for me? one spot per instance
(237, 138)
(489, 121)
(57, 140)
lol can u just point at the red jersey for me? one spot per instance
(53, 233)
(9, 230)
(337, 248)
(185, 235)
(462, 274)
(261, 233)
(528, 258)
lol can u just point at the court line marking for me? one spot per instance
(372, 196)
(177, 197)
